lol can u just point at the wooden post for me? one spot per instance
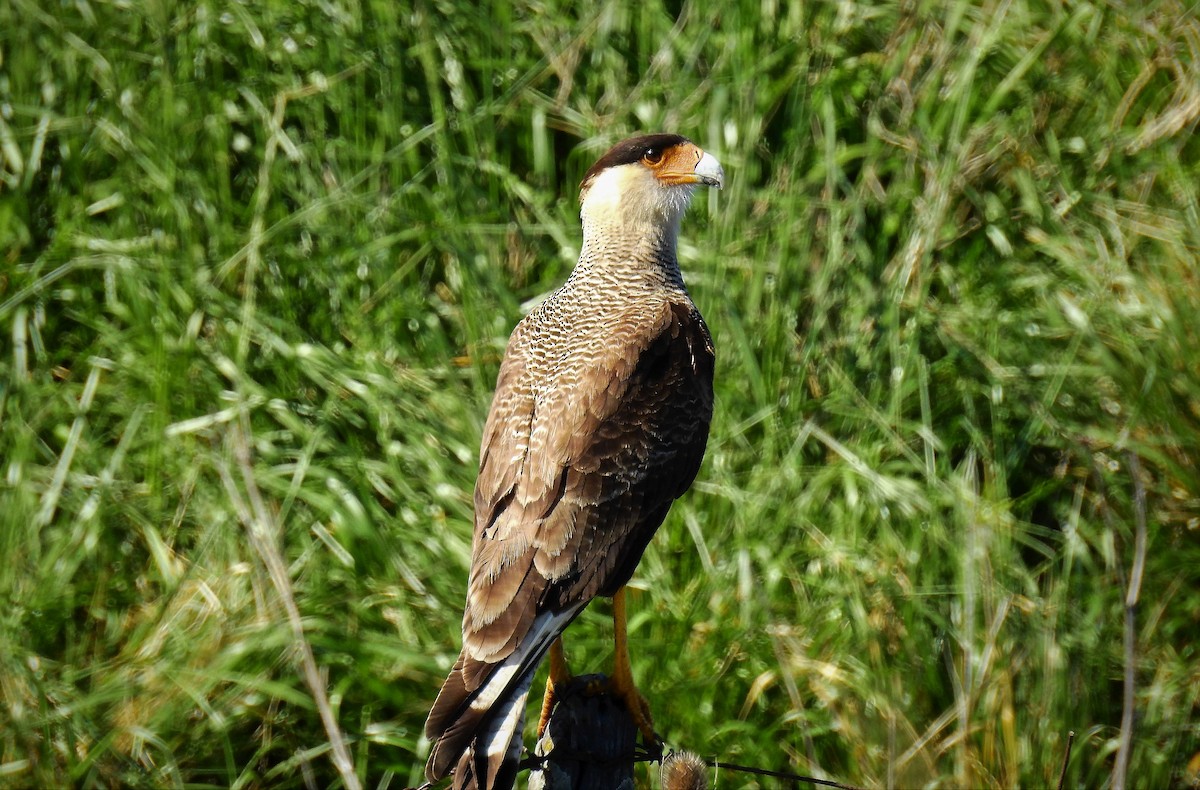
(588, 743)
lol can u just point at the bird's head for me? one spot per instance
(646, 180)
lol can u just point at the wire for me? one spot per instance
(642, 755)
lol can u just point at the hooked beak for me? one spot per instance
(709, 172)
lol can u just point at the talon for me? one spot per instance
(638, 707)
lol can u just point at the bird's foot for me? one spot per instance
(621, 686)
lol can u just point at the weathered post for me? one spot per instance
(589, 741)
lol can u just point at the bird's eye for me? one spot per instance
(652, 156)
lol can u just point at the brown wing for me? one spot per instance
(641, 457)
(574, 483)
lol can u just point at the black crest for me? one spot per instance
(632, 150)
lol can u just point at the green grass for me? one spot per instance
(258, 263)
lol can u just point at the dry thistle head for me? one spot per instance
(684, 771)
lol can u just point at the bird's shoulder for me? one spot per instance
(591, 328)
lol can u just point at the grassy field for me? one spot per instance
(258, 262)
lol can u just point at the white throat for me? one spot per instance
(630, 204)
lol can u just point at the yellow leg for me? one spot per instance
(622, 679)
(560, 675)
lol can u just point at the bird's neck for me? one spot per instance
(627, 250)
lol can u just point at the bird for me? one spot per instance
(598, 422)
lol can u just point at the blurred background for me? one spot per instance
(258, 264)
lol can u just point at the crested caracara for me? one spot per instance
(598, 424)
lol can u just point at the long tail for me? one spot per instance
(493, 757)
(477, 721)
